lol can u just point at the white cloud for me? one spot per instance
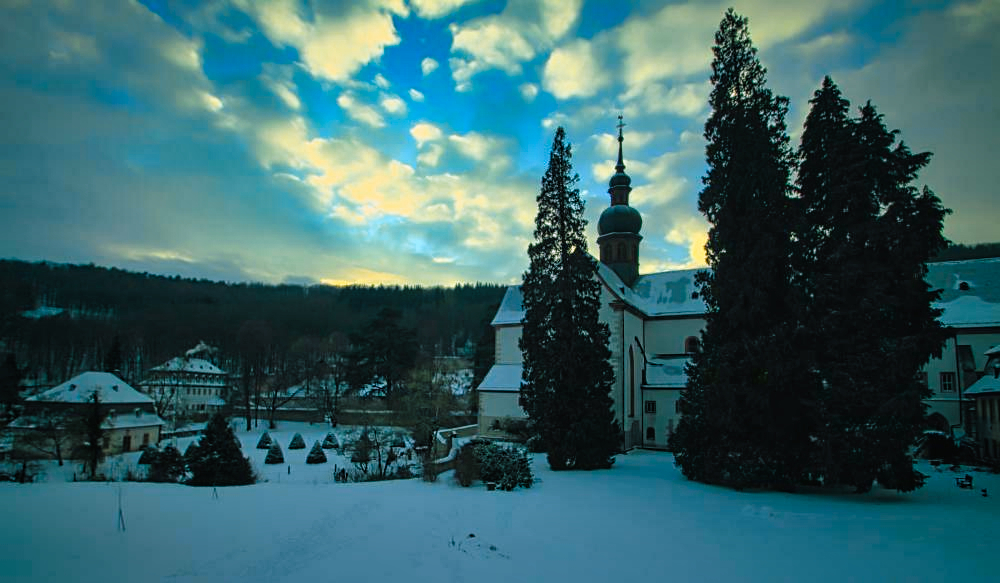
(688, 100)
(431, 155)
(432, 9)
(358, 111)
(424, 132)
(528, 91)
(573, 70)
(393, 104)
(279, 80)
(692, 232)
(331, 46)
(428, 65)
(416, 95)
(505, 41)
(381, 81)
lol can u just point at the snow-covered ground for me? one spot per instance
(640, 521)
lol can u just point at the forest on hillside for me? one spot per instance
(59, 320)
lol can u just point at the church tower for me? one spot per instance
(619, 225)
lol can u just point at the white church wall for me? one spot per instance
(661, 417)
(946, 371)
(507, 349)
(667, 336)
(496, 406)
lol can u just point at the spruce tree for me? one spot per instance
(868, 234)
(316, 455)
(297, 442)
(265, 441)
(218, 459)
(274, 454)
(744, 417)
(330, 441)
(567, 375)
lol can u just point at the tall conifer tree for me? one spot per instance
(567, 374)
(867, 234)
(744, 416)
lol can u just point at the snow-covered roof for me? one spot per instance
(989, 384)
(81, 388)
(185, 364)
(510, 311)
(969, 311)
(502, 377)
(667, 372)
(992, 351)
(126, 419)
(674, 293)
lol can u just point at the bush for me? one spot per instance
(316, 455)
(149, 454)
(274, 455)
(330, 441)
(166, 466)
(297, 442)
(508, 467)
(265, 441)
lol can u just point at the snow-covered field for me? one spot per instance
(641, 521)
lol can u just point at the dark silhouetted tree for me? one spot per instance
(567, 374)
(218, 460)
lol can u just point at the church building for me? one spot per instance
(656, 321)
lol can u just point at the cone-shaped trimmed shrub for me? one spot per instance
(265, 441)
(297, 442)
(330, 442)
(274, 455)
(316, 455)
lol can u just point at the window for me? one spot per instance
(691, 344)
(107, 442)
(677, 406)
(650, 434)
(947, 382)
(651, 407)
(145, 439)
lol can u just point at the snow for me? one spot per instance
(969, 311)
(987, 385)
(639, 521)
(502, 377)
(81, 388)
(511, 310)
(185, 364)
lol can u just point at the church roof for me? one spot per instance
(80, 389)
(989, 384)
(970, 295)
(502, 377)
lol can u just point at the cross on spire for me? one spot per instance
(620, 167)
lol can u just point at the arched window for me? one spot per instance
(650, 434)
(622, 253)
(691, 344)
(631, 382)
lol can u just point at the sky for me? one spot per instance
(403, 141)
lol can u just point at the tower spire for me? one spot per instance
(620, 167)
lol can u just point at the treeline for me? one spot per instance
(61, 319)
(958, 252)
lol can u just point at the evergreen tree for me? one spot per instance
(868, 234)
(218, 459)
(166, 465)
(330, 441)
(265, 441)
(93, 431)
(274, 454)
(114, 358)
(382, 355)
(297, 442)
(744, 416)
(11, 376)
(567, 374)
(316, 455)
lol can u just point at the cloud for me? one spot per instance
(381, 82)
(573, 70)
(358, 111)
(507, 40)
(528, 91)
(416, 95)
(689, 100)
(424, 132)
(279, 80)
(433, 9)
(332, 45)
(428, 66)
(392, 104)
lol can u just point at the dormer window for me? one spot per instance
(138, 412)
(691, 344)
(111, 413)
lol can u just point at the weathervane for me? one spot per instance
(620, 125)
